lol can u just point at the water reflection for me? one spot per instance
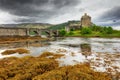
(85, 49)
(86, 46)
(35, 47)
(25, 44)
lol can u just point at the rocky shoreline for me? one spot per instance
(46, 67)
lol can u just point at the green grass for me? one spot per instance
(93, 34)
(92, 31)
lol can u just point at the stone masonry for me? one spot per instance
(8, 31)
(13, 31)
(86, 21)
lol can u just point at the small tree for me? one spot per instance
(109, 30)
(86, 31)
(96, 28)
(72, 29)
(104, 30)
(62, 32)
(71, 33)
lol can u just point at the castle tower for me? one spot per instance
(86, 21)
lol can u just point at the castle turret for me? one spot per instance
(86, 21)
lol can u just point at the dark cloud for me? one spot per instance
(57, 11)
(112, 15)
(63, 3)
(33, 7)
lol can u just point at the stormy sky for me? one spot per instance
(103, 12)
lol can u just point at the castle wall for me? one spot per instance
(13, 32)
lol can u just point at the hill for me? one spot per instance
(41, 25)
(28, 25)
(63, 25)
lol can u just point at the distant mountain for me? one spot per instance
(28, 25)
(42, 25)
(63, 25)
(9, 25)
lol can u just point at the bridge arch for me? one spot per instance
(40, 32)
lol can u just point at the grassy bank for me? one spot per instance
(93, 31)
(77, 33)
(45, 67)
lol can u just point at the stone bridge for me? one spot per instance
(39, 32)
(27, 32)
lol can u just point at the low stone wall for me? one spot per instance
(13, 32)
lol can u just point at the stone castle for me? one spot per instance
(84, 22)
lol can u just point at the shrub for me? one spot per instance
(71, 29)
(86, 31)
(109, 30)
(96, 28)
(62, 32)
(71, 33)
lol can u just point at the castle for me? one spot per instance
(84, 22)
